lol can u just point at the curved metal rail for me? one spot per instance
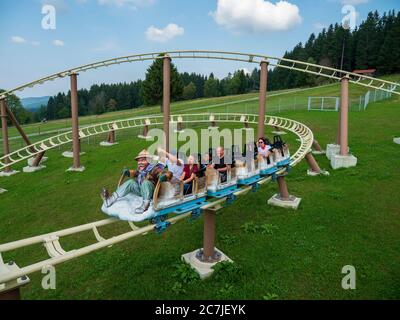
(303, 132)
(290, 64)
(12, 276)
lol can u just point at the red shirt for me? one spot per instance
(188, 172)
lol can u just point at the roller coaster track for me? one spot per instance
(12, 276)
(301, 66)
(36, 148)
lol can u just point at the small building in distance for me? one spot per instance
(366, 72)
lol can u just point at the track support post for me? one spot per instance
(166, 98)
(314, 168)
(203, 260)
(262, 98)
(343, 159)
(6, 144)
(317, 148)
(76, 148)
(283, 198)
(111, 140)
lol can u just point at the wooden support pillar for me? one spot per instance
(262, 98)
(75, 121)
(166, 98)
(316, 146)
(344, 116)
(283, 189)
(6, 145)
(111, 135)
(38, 159)
(312, 163)
(15, 122)
(209, 252)
(19, 128)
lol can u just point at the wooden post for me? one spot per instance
(209, 236)
(19, 128)
(166, 98)
(111, 135)
(344, 116)
(262, 98)
(316, 146)
(75, 121)
(283, 190)
(6, 145)
(312, 163)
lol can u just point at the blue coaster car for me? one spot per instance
(267, 166)
(220, 186)
(169, 197)
(247, 173)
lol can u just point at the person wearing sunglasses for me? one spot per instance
(264, 147)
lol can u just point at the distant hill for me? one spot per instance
(34, 103)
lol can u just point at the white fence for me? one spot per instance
(323, 103)
(360, 104)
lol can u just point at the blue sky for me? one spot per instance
(91, 30)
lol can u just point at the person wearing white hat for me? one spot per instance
(142, 182)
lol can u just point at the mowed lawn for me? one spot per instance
(351, 217)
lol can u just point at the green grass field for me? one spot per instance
(348, 218)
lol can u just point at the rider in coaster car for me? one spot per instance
(279, 144)
(220, 164)
(141, 183)
(264, 148)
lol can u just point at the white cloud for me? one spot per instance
(21, 40)
(58, 43)
(256, 15)
(353, 2)
(163, 35)
(18, 40)
(134, 4)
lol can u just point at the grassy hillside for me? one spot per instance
(348, 218)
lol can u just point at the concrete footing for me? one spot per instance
(2, 190)
(312, 173)
(332, 149)
(30, 169)
(80, 169)
(396, 140)
(204, 269)
(8, 173)
(213, 128)
(291, 203)
(70, 154)
(338, 161)
(107, 144)
(318, 152)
